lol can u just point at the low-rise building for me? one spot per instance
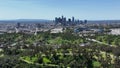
(57, 30)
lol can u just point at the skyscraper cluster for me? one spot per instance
(70, 21)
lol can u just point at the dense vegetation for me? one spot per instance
(109, 39)
(60, 50)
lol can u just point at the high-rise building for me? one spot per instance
(56, 20)
(73, 19)
(18, 25)
(62, 16)
(85, 21)
(69, 20)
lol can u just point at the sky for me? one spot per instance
(49, 9)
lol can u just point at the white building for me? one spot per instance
(57, 30)
(115, 31)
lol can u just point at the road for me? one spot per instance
(94, 40)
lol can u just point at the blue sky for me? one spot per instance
(48, 9)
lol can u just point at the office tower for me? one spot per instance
(85, 21)
(62, 16)
(73, 19)
(69, 20)
(18, 25)
(56, 20)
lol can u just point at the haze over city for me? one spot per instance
(48, 9)
(59, 34)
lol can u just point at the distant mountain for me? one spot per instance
(49, 21)
(32, 20)
(25, 21)
(103, 21)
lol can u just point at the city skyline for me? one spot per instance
(49, 9)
